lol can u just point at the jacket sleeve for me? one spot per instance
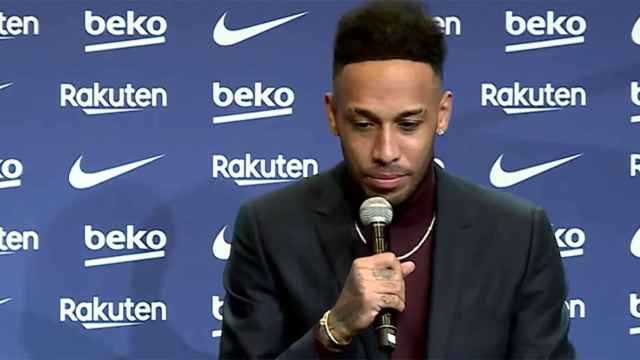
(540, 325)
(253, 323)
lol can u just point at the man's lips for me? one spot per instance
(385, 181)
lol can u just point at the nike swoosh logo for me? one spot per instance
(635, 32)
(3, 301)
(3, 86)
(635, 244)
(501, 178)
(221, 248)
(83, 180)
(226, 37)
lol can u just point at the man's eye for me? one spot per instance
(363, 124)
(408, 125)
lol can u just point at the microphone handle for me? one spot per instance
(384, 323)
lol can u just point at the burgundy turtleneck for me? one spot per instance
(409, 226)
(411, 220)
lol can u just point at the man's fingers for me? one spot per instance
(389, 287)
(407, 268)
(382, 260)
(384, 266)
(390, 301)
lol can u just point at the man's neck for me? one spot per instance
(422, 200)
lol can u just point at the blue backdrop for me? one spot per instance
(122, 170)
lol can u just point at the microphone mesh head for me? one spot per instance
(376, 210)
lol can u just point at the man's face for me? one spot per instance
(386, 114)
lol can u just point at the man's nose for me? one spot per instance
(385, 149)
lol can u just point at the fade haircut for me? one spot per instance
(384, 30)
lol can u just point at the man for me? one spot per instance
(472, 273)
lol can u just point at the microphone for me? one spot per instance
(378, 213)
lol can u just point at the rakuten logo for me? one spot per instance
(12, 241)
(248, 171)
(216, 311)
(570, 241)
(449, 25)
(577, 308)
(634, 164)
(10, 173)
(565, 30)
(13, 25)
(635, 99)
(150, 30)
(97, 314)
(522, 100)
(98, 100)
(281, 99)
(148, 244)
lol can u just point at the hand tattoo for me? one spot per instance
(383, 274)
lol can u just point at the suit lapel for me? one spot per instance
(336, 237)
(334, 226)
(449, 261)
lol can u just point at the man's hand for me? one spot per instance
(374, 282)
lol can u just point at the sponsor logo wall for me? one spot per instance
(131, 133)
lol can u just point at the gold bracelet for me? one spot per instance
(324, 322)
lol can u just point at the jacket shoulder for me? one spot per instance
(292, 198)
(485, 200)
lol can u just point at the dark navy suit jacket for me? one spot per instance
(498, 285)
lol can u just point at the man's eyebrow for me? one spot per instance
(369, 114)
(411, 112)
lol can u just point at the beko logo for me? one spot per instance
(221, 248)
(12, 26)
(634, 310)
(97, 314)
(148, 244)
(570, 241)
(278, 101)
(149, 30)
(99, 100)
(635, 99)
(564, 30)
(519, 99)
(224, 36)
(10, 173)
(12, 241)
(248, 171)
(449, 25)
(634, 165)
(577, 308)
(216, 311)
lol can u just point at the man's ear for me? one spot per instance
(330, 108)
(444, 111)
